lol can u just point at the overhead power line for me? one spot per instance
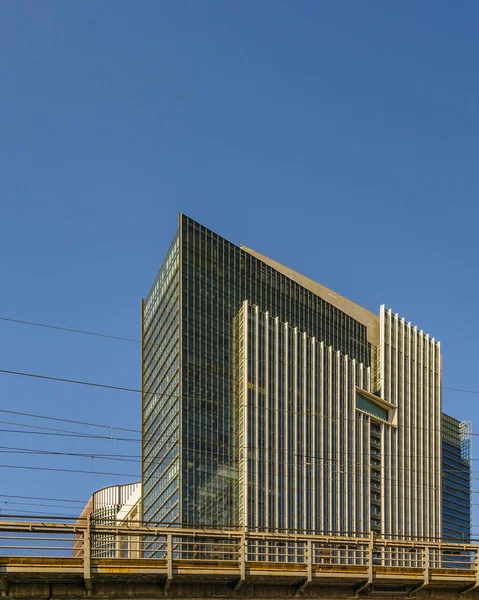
(74, 435)
(132, 340)
(86, 423)
(304, 458)
(30, 426)
(337, 473)
(37, 515)
(134, 475)
(35, 451)
(215, 401)
(70, 330)
(139, 391)
(43, 498)
(75, 381)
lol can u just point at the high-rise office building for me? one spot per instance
(272, 402)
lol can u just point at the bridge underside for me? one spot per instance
(61, 578)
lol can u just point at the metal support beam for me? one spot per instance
(3, 588)
(309, 569)
(87, 557)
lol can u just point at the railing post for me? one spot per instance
(309, 558)
(87, 556)
(242, 562)
(309, 568)
(169, 561)
(371, 558)
(426, 565)
(475, 585)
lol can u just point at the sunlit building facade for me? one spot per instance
(272, 402)
(118, 505)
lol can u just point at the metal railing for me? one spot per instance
(84, 548)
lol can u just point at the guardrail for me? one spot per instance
(92, 551)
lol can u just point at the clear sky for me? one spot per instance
(340, 138)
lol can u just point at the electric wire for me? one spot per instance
(392, 482)
(138, 341)
(136, 390)
(265, 449)
(30, 426)
(296, 455)
(83, 454)
(71, 435)
(85, 423)
(82, 471)
(70, 330)
(76, 500)
(119, 458)
(217, 403)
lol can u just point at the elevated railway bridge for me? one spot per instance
(57, 560)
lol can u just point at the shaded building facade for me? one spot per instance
(456, 478)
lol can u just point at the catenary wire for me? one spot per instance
(74, 435)
(393, 482)
(30, 426)
(216, 402)
(119, 458)
(37, 514)
(138, 341)
(136, 390)
(80, 434)
(136, 476)
(43, 498)
(268, 450)
(130, 458)
(139, 391)
(86, 423)
(85, 454)
(167, 444)
(224, 445)
(272, 450)
(70, 330)
(248, 448)
(83, 471)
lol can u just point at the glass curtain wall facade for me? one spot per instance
(217, 277)
(161, 389)
(456, 489)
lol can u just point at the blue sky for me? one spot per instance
(340, 138)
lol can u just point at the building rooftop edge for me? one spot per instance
(364, 316)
